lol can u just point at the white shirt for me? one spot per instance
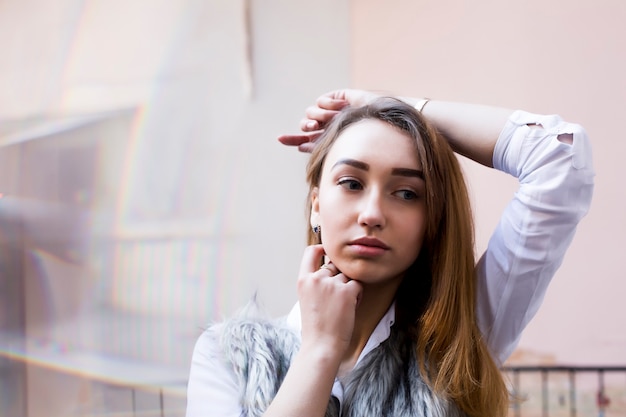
(555, 172)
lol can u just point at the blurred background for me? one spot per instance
(143, 193)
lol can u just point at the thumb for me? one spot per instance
(334, 100)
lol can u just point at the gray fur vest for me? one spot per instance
(386, 383)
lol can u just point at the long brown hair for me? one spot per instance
(436, 300)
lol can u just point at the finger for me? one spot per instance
(322, 116)
(307, 147)
(299, 138)
(311, 259)
(293, 140)
(336, 101)
(336, 95)
(330, 269)
(308, 125)
(356, 289)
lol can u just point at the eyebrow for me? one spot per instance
(407, 172)
(402, 172)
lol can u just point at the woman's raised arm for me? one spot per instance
(471, 129)
(552, 160)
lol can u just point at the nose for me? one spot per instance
(371, 213)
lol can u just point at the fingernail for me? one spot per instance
(310, 124)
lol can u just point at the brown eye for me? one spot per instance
(406, 195)
(350, 184)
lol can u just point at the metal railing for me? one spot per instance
(572, 372)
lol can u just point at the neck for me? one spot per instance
(375, 302)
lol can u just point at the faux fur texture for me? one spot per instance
(387, 382)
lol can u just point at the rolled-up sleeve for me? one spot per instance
(553, 163)
(212, 390)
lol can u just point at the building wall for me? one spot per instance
(199, 154)
(194, 205)
(547, 57)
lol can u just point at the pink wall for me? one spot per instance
(548, 57)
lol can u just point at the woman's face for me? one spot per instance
(370, 203)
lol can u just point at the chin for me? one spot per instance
(367, 274)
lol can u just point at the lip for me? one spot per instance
(368, 247)
(369, 241)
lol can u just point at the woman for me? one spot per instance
(398, 321)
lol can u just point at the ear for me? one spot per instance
(315, 207)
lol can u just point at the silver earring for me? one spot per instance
(317, 229)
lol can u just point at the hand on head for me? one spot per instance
(328, 301)
(317, 116)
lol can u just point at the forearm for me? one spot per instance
(307, 387)
(471, 129)
(555, 169)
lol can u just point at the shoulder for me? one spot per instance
(248, 329)
(251, 338)
(213, 388)
(238, 363)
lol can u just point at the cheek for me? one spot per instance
(333, 227)
(416, 238)
(334, 211)
(335, 222)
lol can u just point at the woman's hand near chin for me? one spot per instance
(328, 301)
(317, 116)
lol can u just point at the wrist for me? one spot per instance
(417, 102)
(325, 355)
(420, 104)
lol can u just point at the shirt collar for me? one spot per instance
(380, 334)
